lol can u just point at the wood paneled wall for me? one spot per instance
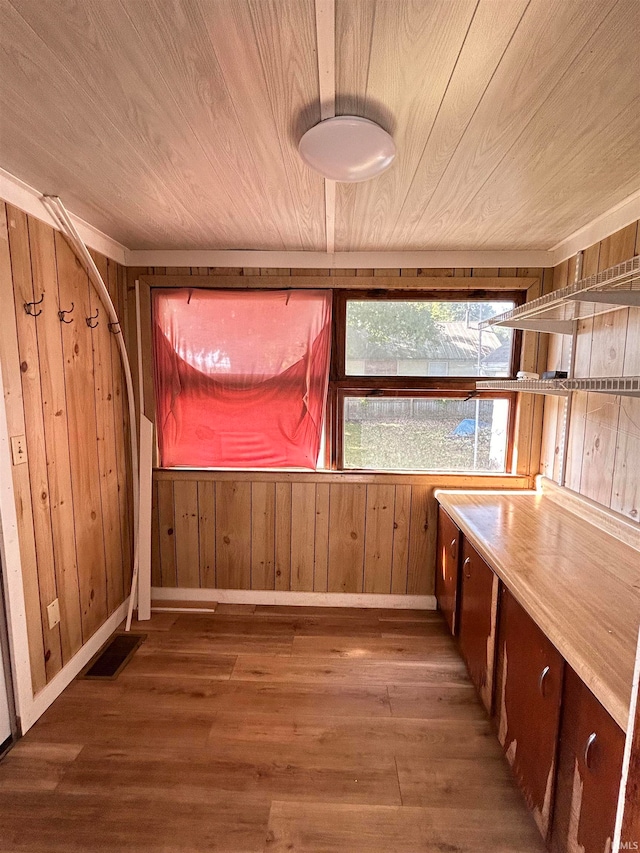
(603, 455)
(64, 391)
(315, 532)
(325, 532)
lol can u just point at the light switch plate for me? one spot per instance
(18, 449)
(53, 612)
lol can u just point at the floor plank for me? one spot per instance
(323, 828)
(253, 729)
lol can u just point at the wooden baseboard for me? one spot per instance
(300, 599)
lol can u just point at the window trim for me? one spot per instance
(342, 385)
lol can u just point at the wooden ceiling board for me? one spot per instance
(488, 37)
(174, 124)
(412, 50)
(181, 46)
(116, 71)
(287, 45)
(583, 141)
(544, 47)
(43, 143)
(149, 70)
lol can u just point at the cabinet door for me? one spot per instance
(447, 569)
(589, 772)
(529, 690)
(478, 606)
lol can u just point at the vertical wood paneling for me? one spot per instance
(81, 411)
(263, 533)
(420, 570)
(233, 535)
(604, 436)
(207, 533)
(45, 280)
(167, 533)
(71, 483)
(121, 427)
(321, 569)
(378, 551)
(303, 521)
(283, 536)
(185, 495)
(156, 569)
(105, 424)
(34, 422)
(401, 520)
(347, 515)
(12, 390)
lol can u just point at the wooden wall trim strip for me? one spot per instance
(445, 481)
(344, 282)
(162, 597)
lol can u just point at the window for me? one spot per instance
(402, 390)
(241, 378)
(269, 379)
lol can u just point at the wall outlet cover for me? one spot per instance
(18, 449)
(53, 612)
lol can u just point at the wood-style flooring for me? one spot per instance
(265, 730)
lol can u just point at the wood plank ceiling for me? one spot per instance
(175, 123)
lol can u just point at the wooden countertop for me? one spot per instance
(577, 581)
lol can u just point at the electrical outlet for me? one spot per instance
(53, 612)
(18, 449)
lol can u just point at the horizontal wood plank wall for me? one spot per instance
(345, 533)
(64, 391)
(604, 438)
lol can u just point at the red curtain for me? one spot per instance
(241, 378)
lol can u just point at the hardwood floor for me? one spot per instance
(258, 729)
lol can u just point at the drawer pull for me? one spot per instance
(466, 563)
(587, 750)
(541, 680)
(452, 549)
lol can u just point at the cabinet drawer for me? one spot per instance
(529, 689)
(477, 622)
(447, 569)
(589, 771)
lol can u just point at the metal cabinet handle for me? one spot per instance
(587, 750)
(541, 680)
(452, 548)
(466, 563)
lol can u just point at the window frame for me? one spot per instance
(343, 385)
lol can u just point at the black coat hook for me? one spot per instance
(93, 317)
(115, 328)
(61, 314)
(29, 306)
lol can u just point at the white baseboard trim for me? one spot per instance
(48, 694)
(300, 599)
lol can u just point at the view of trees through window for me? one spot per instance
(419, 338)
(425, 338)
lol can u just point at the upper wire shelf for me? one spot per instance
(556, 312)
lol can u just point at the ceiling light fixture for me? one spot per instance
(347, 149)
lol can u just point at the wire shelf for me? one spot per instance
(625, 386)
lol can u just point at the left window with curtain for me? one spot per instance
(241, 378)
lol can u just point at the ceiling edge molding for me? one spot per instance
(598, 229)
(338, 260)
(21, 195)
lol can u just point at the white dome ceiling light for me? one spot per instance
(347, 149)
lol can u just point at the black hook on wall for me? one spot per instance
(61, 314)
(114, 328)
(93, 317)
(29, 306)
